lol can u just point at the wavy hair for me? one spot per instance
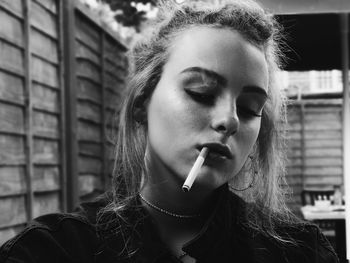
(149, 56)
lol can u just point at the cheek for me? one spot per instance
(171, 112)
(169, 117)
(249, 134)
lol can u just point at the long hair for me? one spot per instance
(148, 57)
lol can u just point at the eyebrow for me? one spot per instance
(209, 73)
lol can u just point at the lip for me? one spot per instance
(219, 149)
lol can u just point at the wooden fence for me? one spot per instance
(61, 73)
(315, 146)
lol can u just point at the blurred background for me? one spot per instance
(63, 71)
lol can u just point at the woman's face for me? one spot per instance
(211, 93)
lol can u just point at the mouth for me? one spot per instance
(218, 150)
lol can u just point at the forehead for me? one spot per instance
(220, 50)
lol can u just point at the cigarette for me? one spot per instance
(195, 170)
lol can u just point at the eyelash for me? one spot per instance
(201, 97)
(248, 112)
(209, 99)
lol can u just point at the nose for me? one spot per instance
(225, 119)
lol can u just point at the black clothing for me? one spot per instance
(76, 237)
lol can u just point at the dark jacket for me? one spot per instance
(225, 237)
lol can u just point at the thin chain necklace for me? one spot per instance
(167, 212)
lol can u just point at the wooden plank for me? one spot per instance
(84, 11)
(112, 99)
(321, 126)
(293, 115)
(110, 152)
(324, 161)
(295, 126)
(89, 165)
(110, 166)
(44, 46)
(46, 203)
(331, 143)
(118, 59)
(88, 111)
(14, 6)
(11, 28)
(111, 120)
(323, 152)
(43, 20)
(86, 53)
(115, 52)
(49, 5)
(12, 211)
(323, 116)
(88, 70)
(46, 125)
(293, 143)
(13, 152)
(88, 183)
(46, 178)
(11, 58)
(295, 161)
(117, 71)
(11, 118)
(295, 152)
(111, 136)
(319, 181)
(293, 135)
(323, 171)
(325, 134)
(294, 180)
(45, 151)
(87, 90)
(114, 68)
(44, 72)
(90, 149)
(45, 98)
(11, 88)
(114, 81)
(12, 180)
(324, 109)
(7, 233)
(88, 33)
(294, 171)
(89, 132)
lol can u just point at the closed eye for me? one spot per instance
(201, 97)
(247, 113)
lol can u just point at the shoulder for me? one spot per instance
(298, 241)
(69, 237)
(307, 241)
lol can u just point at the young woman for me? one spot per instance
(203, 84)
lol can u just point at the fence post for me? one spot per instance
(104, 122)
(70, 103)
(28, 112)
(346, 122)
(63, 152)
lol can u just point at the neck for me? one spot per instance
(164, 189)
